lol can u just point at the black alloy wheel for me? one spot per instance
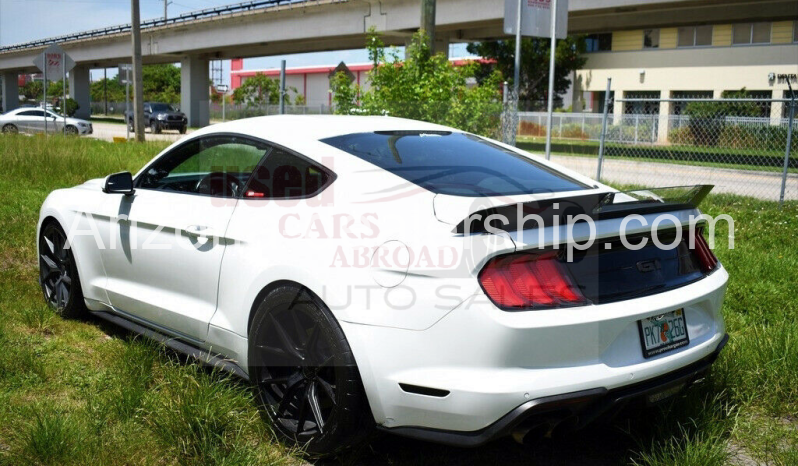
(10, 129)
(305, 374)
(71, 131)
(58, 274)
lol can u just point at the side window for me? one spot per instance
(33, 113)
(213, 166)
(147, 109)
(287, 176)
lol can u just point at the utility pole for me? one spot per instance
(552, 53)
(282, 87)
(165, 4)
(517, 67)
(428, 22)
(138, 87)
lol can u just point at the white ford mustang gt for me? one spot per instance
(366, 271)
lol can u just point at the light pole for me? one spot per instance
(166, 3)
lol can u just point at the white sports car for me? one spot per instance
(366, 271)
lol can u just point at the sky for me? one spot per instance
(26, 20)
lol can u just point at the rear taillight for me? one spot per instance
(529, 281)
(703, 253)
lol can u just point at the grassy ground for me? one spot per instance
(74, 393)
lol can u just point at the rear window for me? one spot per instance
(453, 163)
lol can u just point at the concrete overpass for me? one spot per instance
(276, 27)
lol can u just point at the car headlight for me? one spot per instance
(83, 125)
(161, 116)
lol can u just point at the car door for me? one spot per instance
(55, 123)
(166, 241)
(30, 121)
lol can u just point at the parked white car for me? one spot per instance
(340, 264)
(32, 120)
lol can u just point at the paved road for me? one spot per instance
(761, 185)
(758, 184)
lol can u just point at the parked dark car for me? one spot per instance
(160, 116)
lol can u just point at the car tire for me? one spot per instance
(72, 131)
(154, 128)
(10, 129)
(58, 273)
(183, 130)
(305, 373)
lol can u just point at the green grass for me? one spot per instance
(83, 392)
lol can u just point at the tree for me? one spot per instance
(260, 90)
(423, 87)
(114, 88)
(32, 90)
(161, 83)
(534, 73)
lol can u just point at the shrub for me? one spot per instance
(739, 137)
(527, 128)
(423, 87)
(681, 136)
(573, 131)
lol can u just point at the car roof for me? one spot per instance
(283, 129)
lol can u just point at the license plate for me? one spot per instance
(662, 333)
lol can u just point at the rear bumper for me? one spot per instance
(572, 410)
(484, 362)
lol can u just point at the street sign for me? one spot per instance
(535, 18)
(54, 61)
(125, 71)
(222, 88)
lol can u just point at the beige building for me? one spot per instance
(699, 60)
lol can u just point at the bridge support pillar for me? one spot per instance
(10, 91)
(194, 85)
(80, 90)
(441, 44)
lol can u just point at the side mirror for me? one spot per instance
(119, 183)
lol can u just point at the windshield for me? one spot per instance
(453, 163)
(162, 108)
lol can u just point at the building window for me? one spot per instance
(598, 42)
(751, 33)
(679, 106)
(697, 36)
(651, 39)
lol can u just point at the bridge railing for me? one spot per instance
(153, 23)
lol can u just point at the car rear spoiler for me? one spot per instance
(598, 206)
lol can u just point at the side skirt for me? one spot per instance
(203, 356)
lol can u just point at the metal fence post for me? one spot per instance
(790, 121)
(603, 130)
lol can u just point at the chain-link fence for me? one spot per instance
(230, 111)
(238, 111)
(738, 144)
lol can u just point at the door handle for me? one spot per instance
(199, 230)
